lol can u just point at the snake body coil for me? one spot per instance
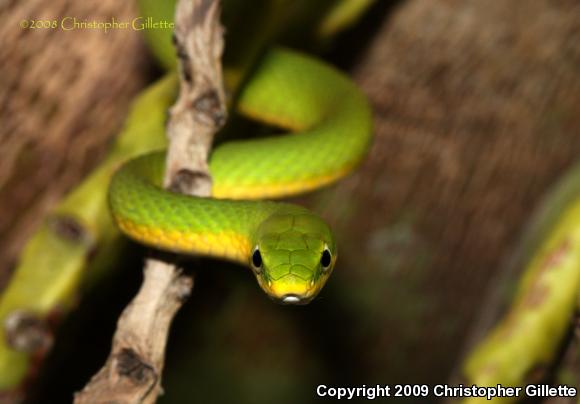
(290, 249)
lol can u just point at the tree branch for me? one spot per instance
(132, 372)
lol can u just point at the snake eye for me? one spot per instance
(326, 259)
(257, 260)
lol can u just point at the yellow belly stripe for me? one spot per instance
(227, 244)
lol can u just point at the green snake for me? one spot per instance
(291, 250)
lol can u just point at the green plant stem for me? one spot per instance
(48, 276)
(526, 341)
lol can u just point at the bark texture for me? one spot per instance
(63, 96)
(477, 113)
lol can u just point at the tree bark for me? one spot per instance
(477, 110)
(63, 96)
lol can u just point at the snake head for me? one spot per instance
(293, 255)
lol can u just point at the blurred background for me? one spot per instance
(477, 110)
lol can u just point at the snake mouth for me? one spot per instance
(294, 299)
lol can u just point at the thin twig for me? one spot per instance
(132, 372)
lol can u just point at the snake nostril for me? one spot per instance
(290, 299)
